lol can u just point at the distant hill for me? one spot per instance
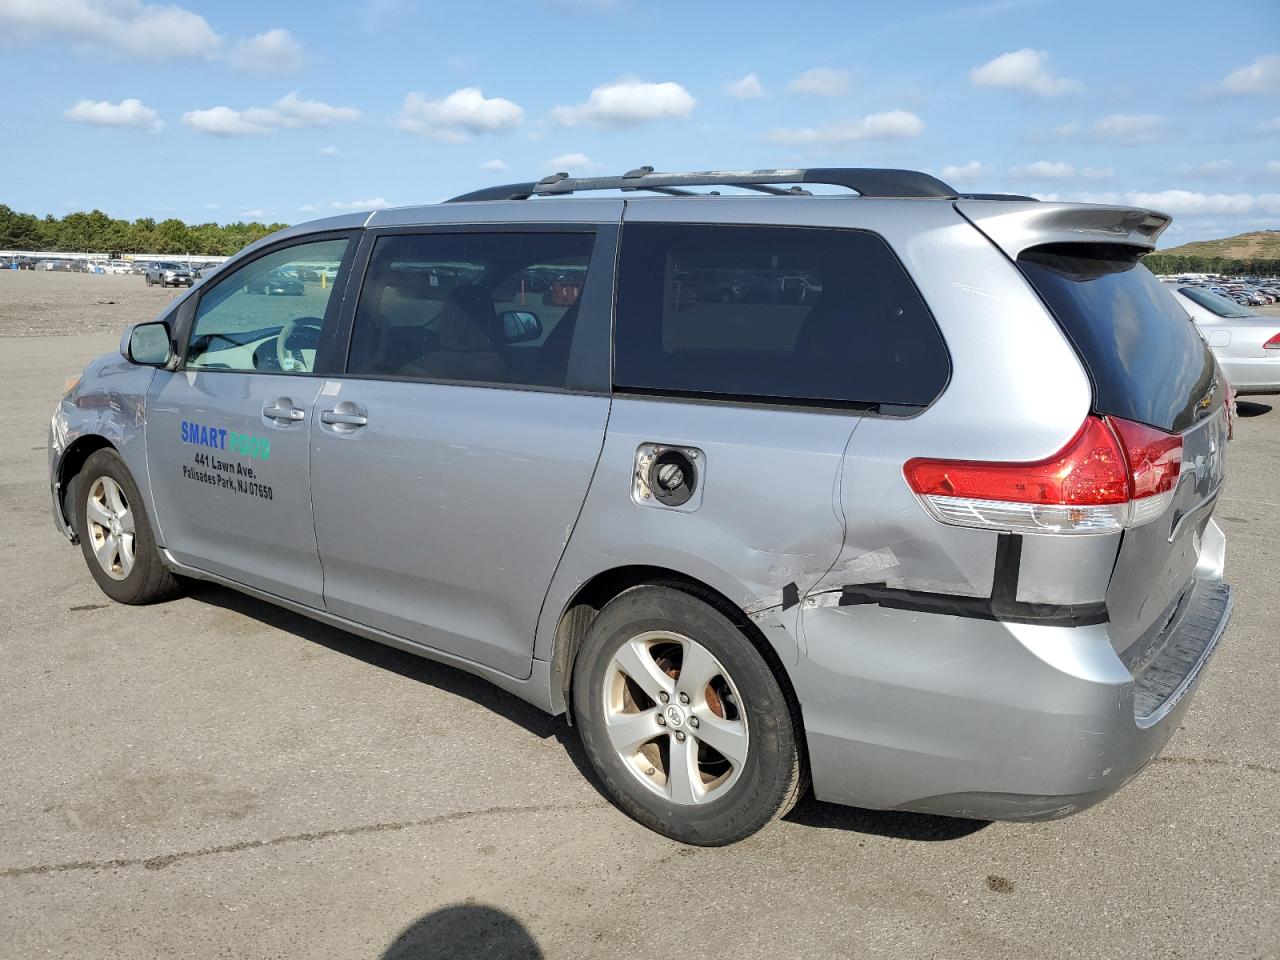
(1259, 245)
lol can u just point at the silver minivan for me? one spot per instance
(895, 494)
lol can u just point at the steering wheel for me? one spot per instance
(304, 330)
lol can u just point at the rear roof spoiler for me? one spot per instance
(1014, 227)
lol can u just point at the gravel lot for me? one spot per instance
(217, 777)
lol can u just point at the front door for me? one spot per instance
(227, 432)
(450, 461)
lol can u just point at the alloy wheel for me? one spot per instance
(111, 528)
(675, 717)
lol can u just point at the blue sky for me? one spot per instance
(286, 111)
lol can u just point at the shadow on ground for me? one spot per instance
(464, 932)
(809, 812)
(1251, 408)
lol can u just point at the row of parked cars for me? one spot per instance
(1246, 291)
(148, 268)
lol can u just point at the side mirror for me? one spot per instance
(149, 345)
(521, 326)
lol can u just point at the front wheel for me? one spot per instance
(115, 533)
(683, 720)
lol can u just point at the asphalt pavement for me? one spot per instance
(215, 777)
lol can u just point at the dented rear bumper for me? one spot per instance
(987, 719)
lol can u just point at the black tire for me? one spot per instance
(772, 777)
(148, 580)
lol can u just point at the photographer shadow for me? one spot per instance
(465, 932)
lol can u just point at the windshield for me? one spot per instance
(1214, 303)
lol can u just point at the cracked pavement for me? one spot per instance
(215, 777)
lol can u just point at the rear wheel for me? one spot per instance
(115, 533)
(683, 720)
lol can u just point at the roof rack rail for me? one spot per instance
(868, 182)
(996, 196)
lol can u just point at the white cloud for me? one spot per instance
(1185, 203)
(495, 165)
(1208, 168)
(293, 112)
(1273, 167)
(1130, 129)
(223, 122)
(1057, 170)
(821, 82)
(1188, 203)
(211, 206)
(745, 88)
(627, 103)
(459, 115)
(1116, 129)
(1260, 77)
(1026, 70)
(373, 203)
(126, 27)
(964, 172)
(1269, 126)
(289, 112)
(127, 113)
(276, 51)
(891, 125)
(570, 162)
(253, 214)
(308, 208)
(329, 151)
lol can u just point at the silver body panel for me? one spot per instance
(461, 522)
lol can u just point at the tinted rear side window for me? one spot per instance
(772, 313)
(1144, 356)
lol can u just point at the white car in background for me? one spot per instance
(1246, 344)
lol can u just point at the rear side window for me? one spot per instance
(471, 307)
(1144, 356)
(772, 313)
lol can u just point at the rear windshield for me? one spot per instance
(765, 313)
(1214, 303)
(1144, 356)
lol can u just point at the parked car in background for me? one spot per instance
(280, 283)
(1247, 345)
(169, 274)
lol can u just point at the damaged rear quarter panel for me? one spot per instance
(768, 516)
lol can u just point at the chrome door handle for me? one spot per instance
(348, 419)
(277, 412)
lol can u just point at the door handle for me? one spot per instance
(282, 410)
(346, 419)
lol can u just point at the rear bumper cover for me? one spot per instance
(1252, 376)
(991, 720)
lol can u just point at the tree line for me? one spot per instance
(95, 232)
(1165, 264)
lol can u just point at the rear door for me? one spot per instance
(451, 459)
(1148, 365)
(227, 431)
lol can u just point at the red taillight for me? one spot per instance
(1273, 343)
(1088, 470)
(1113, 473)
(1155, 457)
